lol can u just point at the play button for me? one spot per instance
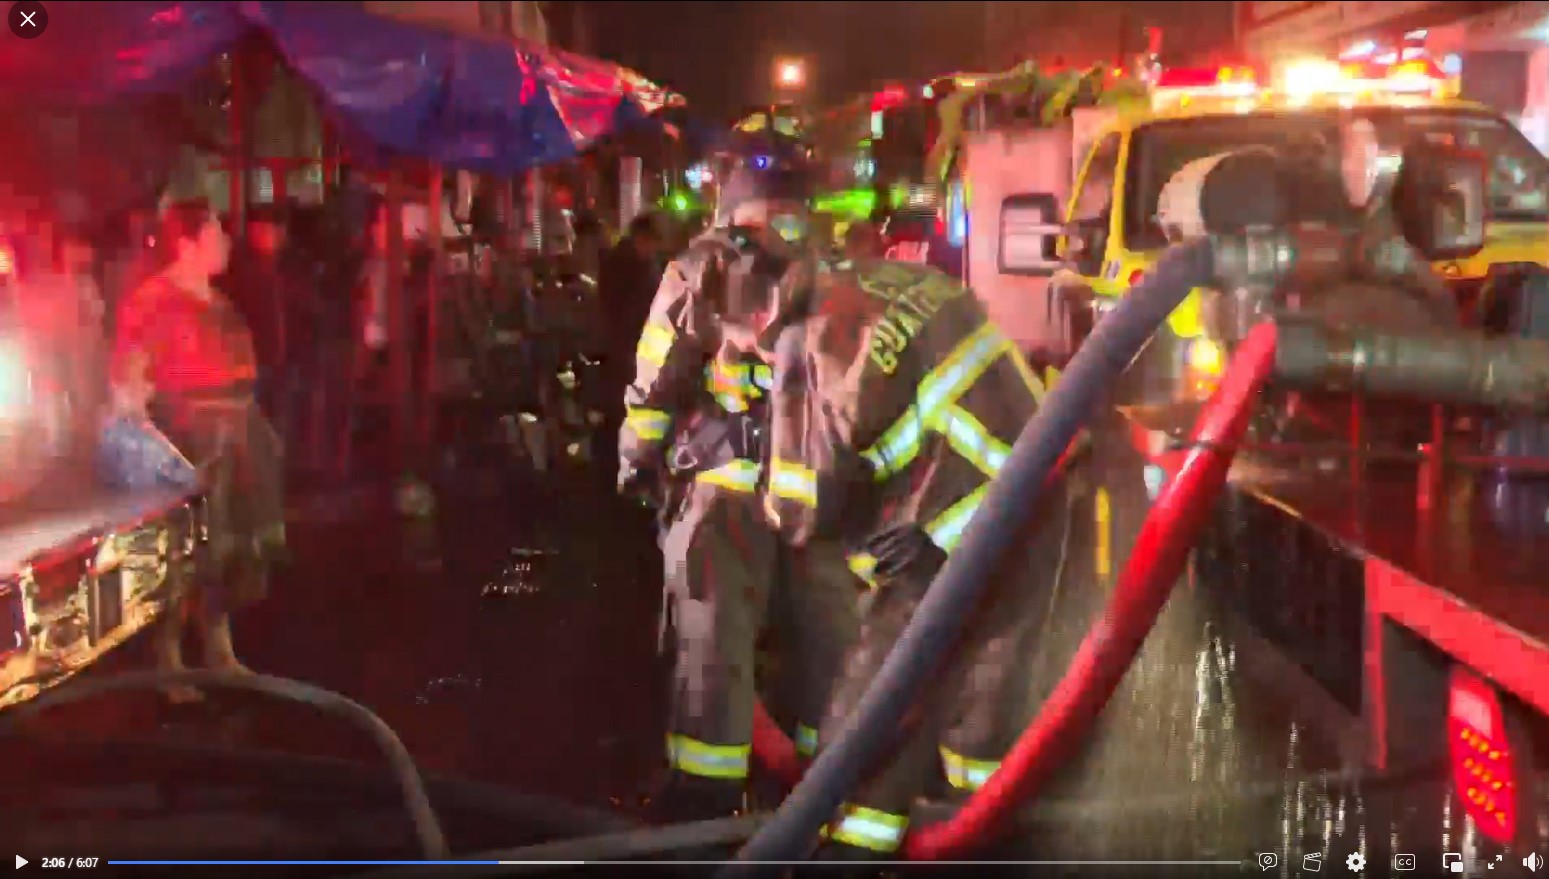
(20, 862)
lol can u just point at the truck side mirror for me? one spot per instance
(1029, 235)
(1439, 200)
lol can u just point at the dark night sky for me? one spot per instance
(720, 55)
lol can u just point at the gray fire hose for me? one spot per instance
(1011, 499)
(427, 828)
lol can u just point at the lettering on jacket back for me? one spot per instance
(913, 297)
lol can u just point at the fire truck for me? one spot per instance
(1063, 219)
(1386, 556)
(1383, 551)
(872, 154)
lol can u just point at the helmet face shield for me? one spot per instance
(763, 169)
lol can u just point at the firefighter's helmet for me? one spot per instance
(761, 165)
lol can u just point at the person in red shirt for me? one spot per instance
(184, 356)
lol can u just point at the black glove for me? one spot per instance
(901, 549)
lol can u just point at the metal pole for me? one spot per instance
(433, 312)
(630, 195)
(399, 351)
(510, 227)
(241, 145)
(533, 204)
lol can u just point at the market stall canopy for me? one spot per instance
(484, 104)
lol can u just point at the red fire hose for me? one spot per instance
(1155, 564)
(774, 750)
(1109, 648)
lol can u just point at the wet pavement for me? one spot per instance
(511, 642)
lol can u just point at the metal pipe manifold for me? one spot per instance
(1466, 368)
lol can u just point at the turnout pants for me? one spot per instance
(974, 708)
(723, 567)
(814, 608)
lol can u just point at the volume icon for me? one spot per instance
(1533, 862)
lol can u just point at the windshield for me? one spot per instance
(1519, 174)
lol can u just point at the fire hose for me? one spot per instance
(427, 829)
(1105, 654)
(933, 630)
(1161, 550)
(775, 751)
(1465, 369)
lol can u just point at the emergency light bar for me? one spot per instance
(1310, 78)
(1180, 86)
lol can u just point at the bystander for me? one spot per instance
(626, 285)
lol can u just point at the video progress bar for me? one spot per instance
(682, 863)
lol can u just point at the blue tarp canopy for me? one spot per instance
(483, 104)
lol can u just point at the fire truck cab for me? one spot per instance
(1062, 221)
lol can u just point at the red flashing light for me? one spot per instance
(1483, 769)
(1205, 77)
(889, 97)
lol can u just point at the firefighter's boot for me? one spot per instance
(683, 797)
(852, 861)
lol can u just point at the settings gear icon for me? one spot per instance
(1356, 862)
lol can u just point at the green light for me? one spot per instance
(853, 204)
(678, 202)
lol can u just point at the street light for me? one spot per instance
(790, 73)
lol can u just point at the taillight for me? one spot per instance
(1134, 277)
(1482, 766)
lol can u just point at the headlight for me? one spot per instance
(1205, 357)
(1203, 361)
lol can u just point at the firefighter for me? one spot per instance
(896, 401)
(694, 424)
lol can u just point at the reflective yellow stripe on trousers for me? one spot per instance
(706, 760)
(966, 773)
(806, 740)
(871, 829)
